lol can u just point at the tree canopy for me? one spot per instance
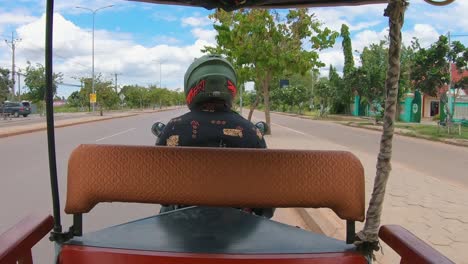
(5, 84)
(263, 44)
(35, 81)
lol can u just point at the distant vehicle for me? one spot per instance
(16, 108)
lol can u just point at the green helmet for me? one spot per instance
(209, 78)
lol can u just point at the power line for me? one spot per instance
(57, 55)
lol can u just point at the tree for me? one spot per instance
(462, 84)
(269, 45)
(335, 83)
(430, 71)
(35, 81)
(374, 61)
(299, 89)
(76, 99)
(5, 84)
(347, 92)
(431, 68)
(347, 50)
(325, 94)
(406, 66)
(106, 97)
(136, 96)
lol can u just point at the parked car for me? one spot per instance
(16, 108)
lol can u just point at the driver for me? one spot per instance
(210, 87)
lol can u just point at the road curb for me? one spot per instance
(460, 144)
(445, 141)
(44, 126)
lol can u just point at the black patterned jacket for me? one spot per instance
(211, 126)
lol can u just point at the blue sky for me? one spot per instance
(137, 40)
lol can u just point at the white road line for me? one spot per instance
(116, 134)
(288, 128)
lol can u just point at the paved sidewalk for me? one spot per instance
(436, 211)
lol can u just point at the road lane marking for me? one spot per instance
(116, 134)
(288, 128)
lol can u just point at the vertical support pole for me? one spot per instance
(77, 224)
(50, 116)
(92, 75)
(395, 12)
(350, 231)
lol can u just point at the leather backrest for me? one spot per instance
(257, 178)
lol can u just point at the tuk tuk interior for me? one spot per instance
(212, 231)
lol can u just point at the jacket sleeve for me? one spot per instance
(162, 139)
(262, 143)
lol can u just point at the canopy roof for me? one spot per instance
(229, 5)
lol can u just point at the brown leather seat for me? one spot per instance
(216, 177)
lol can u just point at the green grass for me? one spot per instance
(428, 131)
(436, 132)
(67, 109)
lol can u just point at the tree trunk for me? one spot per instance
(395, 11)
(266, 100)
(253, 106)
(448, 115)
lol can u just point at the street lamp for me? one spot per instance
(160, 67)
(93, 11)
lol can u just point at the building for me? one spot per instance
(431, 105)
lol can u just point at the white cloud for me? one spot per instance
(367, 37)
(15, 18)
(425, 33)
(334, 56)
(114, 52)
(162, 39)
(196, 21)
(164, 16)
(205, 34)
(357, 18)
(448, 18)
(69, 6)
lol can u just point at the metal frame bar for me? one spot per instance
(77, 224)
(50, 116)
(350, 231)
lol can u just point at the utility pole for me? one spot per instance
(12, 45)
(19, 86)
(115, 75)
(450, 63)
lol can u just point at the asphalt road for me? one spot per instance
(439, 160)
(24, 182)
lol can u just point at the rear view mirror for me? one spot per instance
(262, 126)
(157, 128)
